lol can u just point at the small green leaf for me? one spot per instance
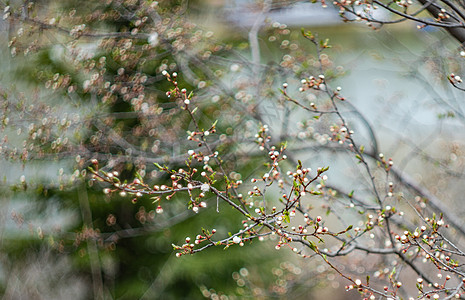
(307, 34)
(393, 272)
(312, 246)
(287, 219)
(139, 177)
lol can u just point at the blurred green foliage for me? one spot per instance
(134, 257)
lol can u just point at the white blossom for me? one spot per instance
(205, 187)
(153, 39)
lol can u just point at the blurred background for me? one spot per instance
(63, 238)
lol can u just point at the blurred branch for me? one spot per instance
(253, 35)
(92, 247)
